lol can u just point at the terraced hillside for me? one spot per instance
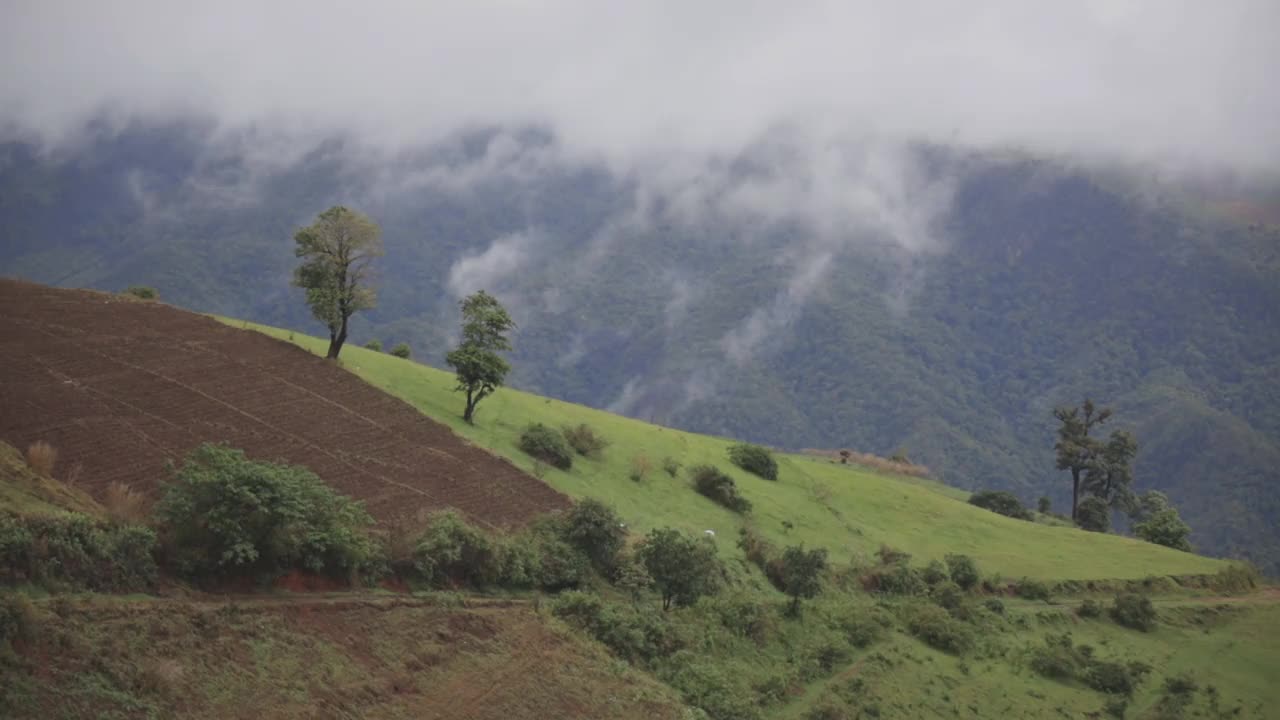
(122, 387)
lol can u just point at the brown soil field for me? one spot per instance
(122, 387)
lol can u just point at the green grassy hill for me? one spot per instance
(848, 510)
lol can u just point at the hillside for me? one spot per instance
(847, 509)
(490, 653)
(120, 388)
(1001, 285)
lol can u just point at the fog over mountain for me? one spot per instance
(1183, 79)
(917, 224)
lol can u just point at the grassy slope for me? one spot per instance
(345, 657)
(23, 491)
(848, 510)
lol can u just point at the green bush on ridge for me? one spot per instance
(225, 515)
(545, 444)
(754, 459)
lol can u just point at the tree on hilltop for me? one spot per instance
(479, 368)
(336, 251)
(1075, 449)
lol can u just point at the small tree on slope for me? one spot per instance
(336, 251)
(479, 368)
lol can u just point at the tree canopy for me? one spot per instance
(683, 568)
(337, 251)
(802, 573)
(479, 367)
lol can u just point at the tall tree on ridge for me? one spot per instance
(337, 250)
(1076, 450)
(479, 368)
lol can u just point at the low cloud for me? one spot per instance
(490, 269)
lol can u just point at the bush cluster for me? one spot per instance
(1060, 659)
(1029, 589)
(999, 501)
(721, 488)
(1090, 608)
(374, 345)
(1134, 611)
(939, 630)
(401, 350)
(543, 443)
(584, 440)
(634, 634)
(225, 515)
(74, 551)
(754, 459)
(963, 571)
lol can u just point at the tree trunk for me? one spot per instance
(470, 411)
(1075, 493)
(336, 340)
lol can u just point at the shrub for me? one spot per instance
(948, 596)
(802, 573)
(1113, 677)
(584, 440)
(1090, 608)
(1093, 515)
(1165, 528)
(755, 460)
(899, 579)
(1058, 658)
(401, 350)
(1182, 684)
(547, 445)
(935, 572)
(1044, 506)
(995, 605)
(640, 467)
(1029, 589)
(227, 515)
(891, 555)
(596, 531)
(1236, 577)
(670, 466)
(862, 629)
(708, 687)
(939, 630)
(629, 633)
(683, 568)
(963, 571)
(17, 618)
(142, 292)
(1134, 611)
(374, 345)
(41, 458)
(124, 504)
(451, 551)
(744, 617)
(999, 501)
(720, 488)
(76, 551)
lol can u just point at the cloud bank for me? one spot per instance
(1175, 77)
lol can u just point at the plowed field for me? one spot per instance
(121, 387)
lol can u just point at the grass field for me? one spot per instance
(848, 510)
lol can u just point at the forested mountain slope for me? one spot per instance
(918, 297)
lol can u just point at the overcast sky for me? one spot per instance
(1186, 78)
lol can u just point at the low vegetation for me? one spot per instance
(999, 501)
(710, 482)
(754, 459)
(547, 445)
(226, 516)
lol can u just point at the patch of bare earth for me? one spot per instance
(121, 387)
